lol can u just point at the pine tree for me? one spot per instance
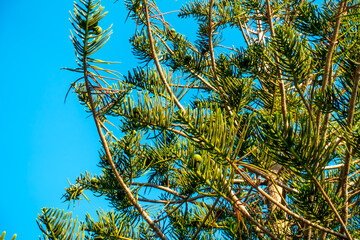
(267, 147)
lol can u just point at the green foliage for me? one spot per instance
(2, 237)
(55, 224)
(109, 226)
(252, 137)
(89, 36)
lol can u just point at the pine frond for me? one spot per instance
(207, 170)
(297, 146)
(215, 130)
(88, 37)
(313, 20)
(150, 112)
(185, 223)
(55, 224)
(293, 53)
(146, 79)
(311, 204)
(2, 237)
(110, 225)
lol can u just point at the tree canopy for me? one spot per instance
(256, 139)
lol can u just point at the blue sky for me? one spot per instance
(44, 141)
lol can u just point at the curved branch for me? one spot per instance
(344, 175)
(113, 167)
(332, 207)
(169, 190)
(107, 150)
(247, 215)
(281, 83)
(206, 83)
(288, 211)
(329, 56)
(210, 33)
(156, 59)
(205, 218)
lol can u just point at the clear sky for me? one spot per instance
(43, 141)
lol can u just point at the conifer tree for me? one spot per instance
(254, 140)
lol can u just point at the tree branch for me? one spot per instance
(288, 211)
(281, 83)
(344, 175)
(205, 218)
(108, 154)
(332, 206)
(328, 62)
(156, 60)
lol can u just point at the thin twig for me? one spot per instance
(332, 206)
(328, 63)
(210, 33)
(169, 190)
(285, 209)
(268, 177)
(205, 218)
(348, 155)
(281, 83)
(171, 202)
(247, 215)
(333, 166)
